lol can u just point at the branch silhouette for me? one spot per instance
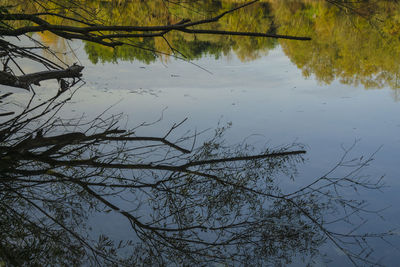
(95, 33)
(186, 202)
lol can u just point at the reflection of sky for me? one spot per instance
(268, 97)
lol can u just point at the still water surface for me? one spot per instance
(337, 90)
(267, 100)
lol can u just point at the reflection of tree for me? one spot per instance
(355, 42)
(212, 203)
(186, 203)
(253, 18)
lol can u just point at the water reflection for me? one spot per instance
(357, 47)
(353, 48)
(187, 202)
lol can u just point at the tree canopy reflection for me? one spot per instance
(356, 43)
(355, 47)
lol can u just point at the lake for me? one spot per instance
(335, 92)
(268, 100)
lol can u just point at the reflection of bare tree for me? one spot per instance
(186, 203)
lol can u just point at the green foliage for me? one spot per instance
(358, 44)
(140, 51)
(158, 12)
(350, 47)
(216, 204)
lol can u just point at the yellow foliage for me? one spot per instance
(357, 45)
